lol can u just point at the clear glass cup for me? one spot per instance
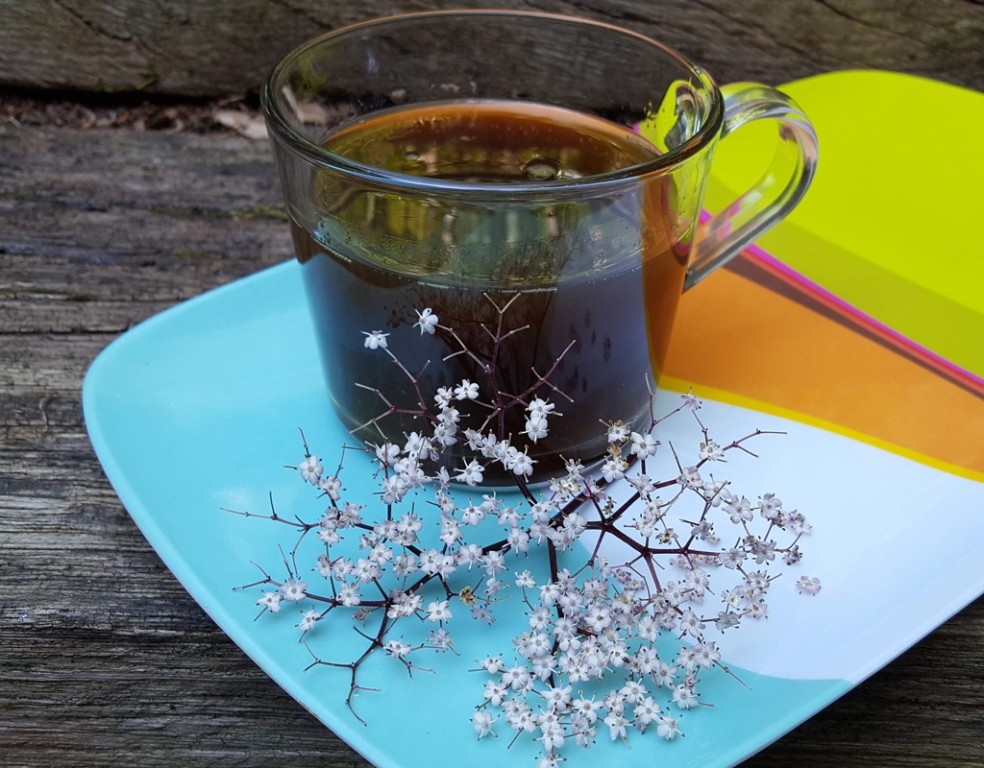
(463, 161)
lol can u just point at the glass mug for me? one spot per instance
(539, 170)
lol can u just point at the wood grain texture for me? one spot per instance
(223, 47)
(104, 659)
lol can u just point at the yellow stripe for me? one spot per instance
(719, 395)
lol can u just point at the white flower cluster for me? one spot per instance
(599, 628)
(592, 657)
(585, 631)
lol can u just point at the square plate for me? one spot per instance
(198, 409)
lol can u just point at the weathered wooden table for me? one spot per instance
(104, 659)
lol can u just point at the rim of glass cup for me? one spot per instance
(318, 155)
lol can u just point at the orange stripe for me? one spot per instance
(736, 336)
(801, 284)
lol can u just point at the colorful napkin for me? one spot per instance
(863, 312)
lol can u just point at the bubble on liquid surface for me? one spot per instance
(542, 169)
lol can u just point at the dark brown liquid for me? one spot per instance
(600, 270)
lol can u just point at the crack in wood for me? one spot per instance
(91, 25)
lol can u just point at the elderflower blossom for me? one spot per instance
(375, 340)
(643, 445)
(427, 321)
(520, 463)
(471, 474)
(270, 601)
(331, 486)
(618, 432)
(310, 618)
(438, 611)
(536, 427)
(589, 660)
(482, 722)
(807, 585)
(293, 589)
(466, 390)
(310, 470)
(397, 649)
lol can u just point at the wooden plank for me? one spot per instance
(104, 659)
(226, 47)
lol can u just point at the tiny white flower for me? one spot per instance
(586, 708)
(557, 698)
(440, 640)
(445, 433)
(494, 562)
(469, 555)
(613, 469)
(707, 654)
(536, 427)
(310, 470)
(770, 506)
(690, 478)
(472, 514)
(540, 407)
(449, 415)
(270, 601)
(711, 451)
(471, 474)
(426, 321)
(666, 727)
(740, 510)
(438, 611)
(618, 432)
(806, 585)
(397, 649)
(293, 589)
(387, 453)
(616, 723)
(495, 693)
(646, 711)
(404, 565)
(349, 515)
(341, 567)
(690, 401)
(726, 620)
(393, 489)
(521, 464)
(466, 390)
(522, 720)
(758, 610)
(519, 540)
(516, 678)
(482, 722)
(309, 620)
(443, 397)
(685, 697)
(525, 580)
(792, 555)
(375, 339)
(798, 525)
(634, 692)
(430, 562)
(509, 517)
(331, 486)
(348, 595)
(643, 446)
(492, 664)
(663, 674)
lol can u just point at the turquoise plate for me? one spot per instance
(198, 409)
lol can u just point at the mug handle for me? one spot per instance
(774, 195)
